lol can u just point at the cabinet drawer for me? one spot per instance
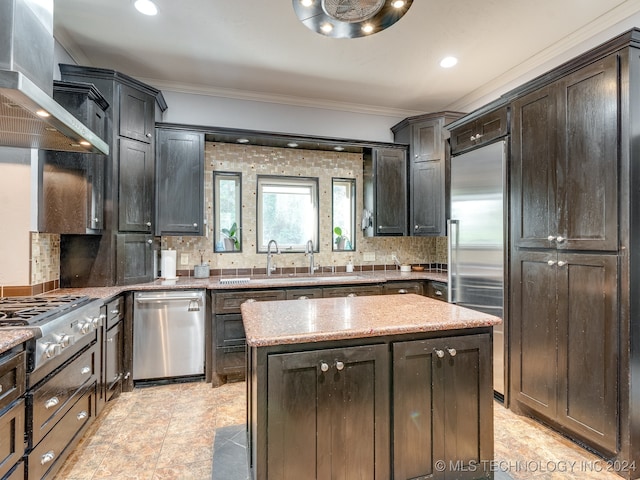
(12, 428)
(229, 330)
(12, 378)
(481, 131)
(230, 360)
(115, 311)
(229, 302)
(438, 290)
(351, 291)
(52, 399)
(18, 473)
(52, 450)
(403, 287)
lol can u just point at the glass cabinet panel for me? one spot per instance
(227, 201)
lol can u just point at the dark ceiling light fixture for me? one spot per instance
(350, 18)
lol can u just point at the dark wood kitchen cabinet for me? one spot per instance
(116, 258)
(332, 408)
(444, 386)
(71, 185)
(482, 130)
(13, 383)
(565, 163)
(113, 345)
(179, 182)
(428, 164)
(565, 360)
(385, 191)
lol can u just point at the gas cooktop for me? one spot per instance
(31, 311)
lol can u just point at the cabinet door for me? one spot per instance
(534, 331)
(135, 187)
(426, 141)
(134, 258)
(533, 163)
(427, 198)
(588, 158)
(113, 359)
(179, 183)
(330, 407)
(391, 192)
(588, 347)
(442, 407)
(136, 114)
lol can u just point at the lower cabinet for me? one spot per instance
(134, 258)
(330, 407)
(412, 407)
(442, 404)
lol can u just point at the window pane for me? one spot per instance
(287, 212)
(227, 195)
(344, 206)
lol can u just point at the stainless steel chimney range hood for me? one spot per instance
(29, 116)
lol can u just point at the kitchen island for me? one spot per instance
(396, 386)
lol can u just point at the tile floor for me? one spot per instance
(168, 432)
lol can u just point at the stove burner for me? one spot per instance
(19, 311)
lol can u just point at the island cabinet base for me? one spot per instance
(403, 407)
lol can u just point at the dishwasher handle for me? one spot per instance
(166, 299)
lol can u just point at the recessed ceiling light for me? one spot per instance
(306, 3)
(43, 113)
(367, 28)
(146, 7)
(292, 144)
(243, 140)
(326, 27)
(448, 62)
(397, 4)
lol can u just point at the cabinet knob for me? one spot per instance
(438, 293)
(452, 351)
(52, 402)
(96, 220)
(416, 228)
(195, 225)
(86, 369)
(82, 415)
(250, 300)
(473, 137)
(440, 353)
(324, 366)
(559, 239)
(148, 224)
(148, 135)
(150, 242)
(47, 457)
(339, 366)
(303, 297)
(352, 295)
(403, 290)
(551, 263)
(551, 238)
(561, 263)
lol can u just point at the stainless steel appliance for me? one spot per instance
(477, 238)
(63, 362)
(168, 334)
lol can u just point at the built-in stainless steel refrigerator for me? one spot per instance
(477, 236)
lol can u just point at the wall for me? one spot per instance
(252, 161)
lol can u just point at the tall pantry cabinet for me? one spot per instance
(575, 167)
(123, 254)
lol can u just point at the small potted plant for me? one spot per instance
(341, 239)
(231, 241)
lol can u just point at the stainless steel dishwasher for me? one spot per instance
(168, 334)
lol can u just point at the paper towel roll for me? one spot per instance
(168, 264)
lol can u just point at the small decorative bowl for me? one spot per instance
(417, 268)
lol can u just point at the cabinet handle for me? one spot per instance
(561, 263)
(303, 297)
(352, 295)
(148, 135)
(559, 239)
(416, 228)
(324, 366)
(438, 293)
(96, 220)
(47, 457)
(52, 402)
(339, 366)
(551, 263)
(195, 225)
(551, 238)
(150, 242)
(452, 351)
(0, 388)
(85, 370)
(402, 290)
(114, 312)
(82, 415)
(439, 353)
(250, 300)
(148, 224)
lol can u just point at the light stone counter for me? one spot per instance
(11, 337)
(326, 319)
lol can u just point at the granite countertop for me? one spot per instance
(316, 320)
(257, 281)
(10, 337)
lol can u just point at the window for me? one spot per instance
(227, 195)
(287, 212)
(344, 214)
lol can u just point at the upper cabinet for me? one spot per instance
(179, 182)
(71, 185)
(428, 168)
(479, 131)
(385, 191)
(564, 162)
(136, 114)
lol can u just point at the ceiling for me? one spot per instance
(258, 49)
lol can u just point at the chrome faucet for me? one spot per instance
(271, 268)
(309, 252)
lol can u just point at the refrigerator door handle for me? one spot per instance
(452, 250)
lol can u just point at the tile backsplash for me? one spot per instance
(252, 161)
